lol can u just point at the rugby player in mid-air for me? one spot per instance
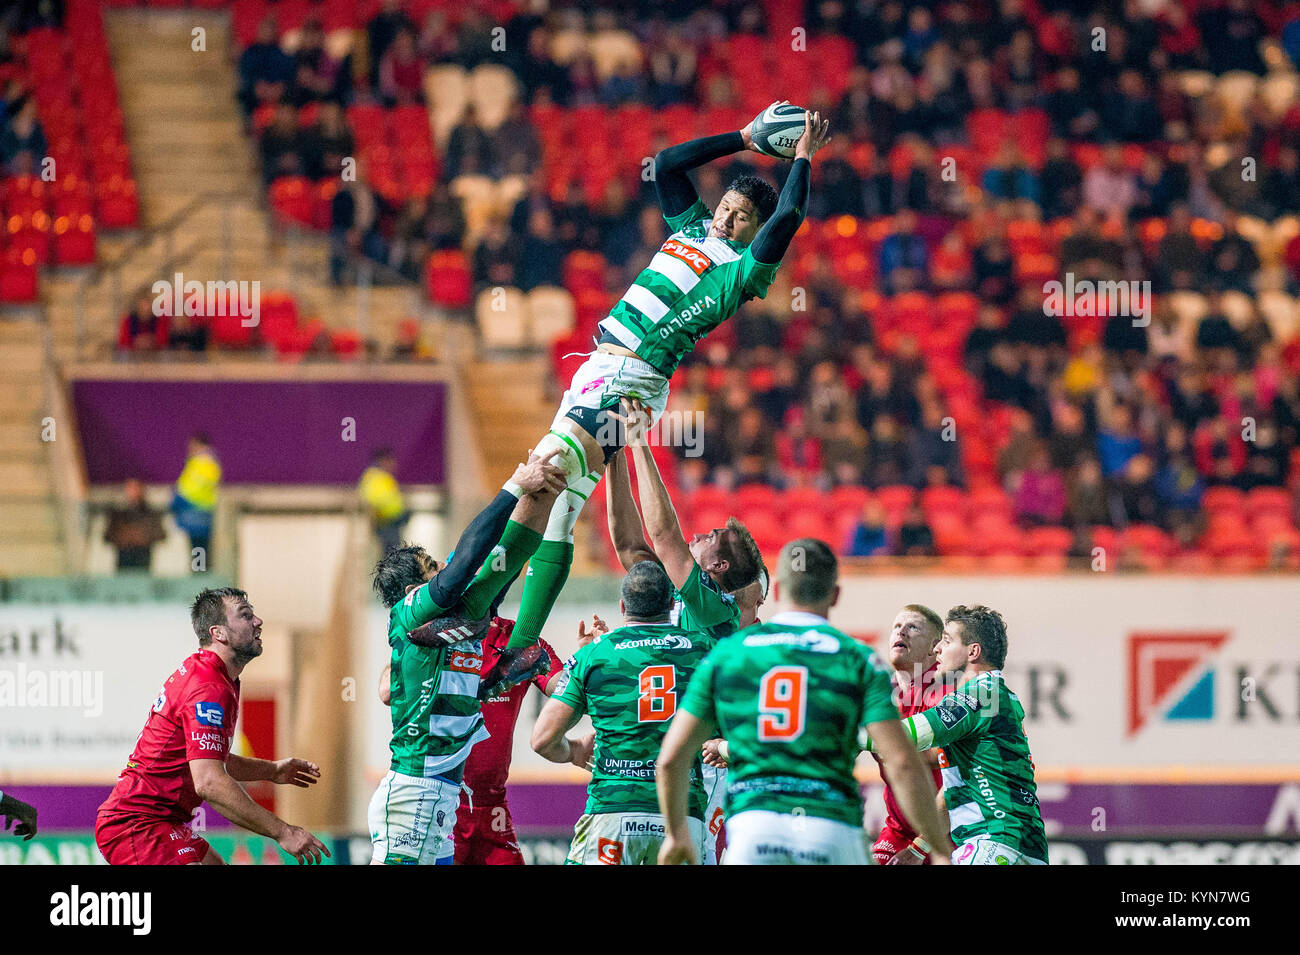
(713, 262)
(988, 773)
(437, 618)
(183, 756)
(790, 696)
(630, 682)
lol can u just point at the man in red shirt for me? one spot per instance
(485, 833)
(182, 756)
(917, 686)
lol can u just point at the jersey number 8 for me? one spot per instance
(781, 704)
(658, 699)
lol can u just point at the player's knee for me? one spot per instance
(572, 457)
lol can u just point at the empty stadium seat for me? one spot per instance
(502, 317)
(551, 314)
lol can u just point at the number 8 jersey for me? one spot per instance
(630, 682)
(789, 696)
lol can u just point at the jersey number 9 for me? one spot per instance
(782, 697)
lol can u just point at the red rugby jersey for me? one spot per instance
(920, 695)
(193, 718)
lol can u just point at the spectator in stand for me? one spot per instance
(1109, 187)
(869, 537)
(616, 222)
(1117, 441)
(1070, 108)
(624, 85)
(672, 69)
(401, 72)
(840, 191)
(1179, 263)
(444, 226)
(903, 256)
(1266, 458)
(1280, 190)
(1220, 453)
(381, 33)
(437, 42)
(134, 528)
(266, 72)
(1086, 500)
(1129, 115)
(541, 257)
(539, 74)
(22, 143)
(187, 334)
(497, 256)
(1155, 193)
(1233, 260)
(513, 145)
(327, 142)
(354, 225)
(1134, 499)
(952, 268)
(194, 502)
(1039, 491)
(382, 497)
(1215, 333)
(319, 77)
(887, 453)
(932, 445)
(284, 146)
(1232, 34)
(1087, 252)
(1179, 38)
(1009, 176)
(798, 453)
(1179, 486)
(915, 539)
(994, 273)
(141, 329)
(468, 138)
(1069, 441)
(474, 39)
(844, 454)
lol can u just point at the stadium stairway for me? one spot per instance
(31, 542)
(186, 140)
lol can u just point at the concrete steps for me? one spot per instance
(31, 537)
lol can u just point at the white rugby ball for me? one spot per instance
(777, 129)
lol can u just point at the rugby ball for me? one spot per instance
(776, 130)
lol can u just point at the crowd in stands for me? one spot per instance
(982, 149)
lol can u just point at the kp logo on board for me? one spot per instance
(1169, 676)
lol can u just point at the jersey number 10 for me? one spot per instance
(658, 699)
(782, 699)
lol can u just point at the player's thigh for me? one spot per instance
(498, 839)
(761, 837)
(136, 841)
(412, 820)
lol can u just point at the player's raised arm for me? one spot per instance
(775, 234)
(625, 530)
(676, 192)
(911, 784)
(658, 516)
(686, 734)
(215, 785)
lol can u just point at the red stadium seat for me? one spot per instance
(755, 496)
(943, 500)
(896, 497)
(74, 240)
(448, 280)
(18, 282)
(1041, 541)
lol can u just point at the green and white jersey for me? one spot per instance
(694, 283)
(433, 693)
(700, 604)
(988, 773)
(630, 684)
(789, 696)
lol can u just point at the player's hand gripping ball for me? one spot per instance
(777, 129)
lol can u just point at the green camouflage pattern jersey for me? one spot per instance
(630, 684)
(433, 693)
(700, 604)
(988, 773)
(694, 283)
(790, 696)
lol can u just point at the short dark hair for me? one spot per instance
(758, 191)
(209, 610)
(744, 559)
(980, 624)
(397, 570)
(647, 592)
(808, 571)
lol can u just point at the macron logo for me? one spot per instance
(75, 908)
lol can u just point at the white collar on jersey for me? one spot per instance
(798, 618)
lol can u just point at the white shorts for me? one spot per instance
(599, 384)
(762, 837)
(624, 838)
(715, 787)
(984, 851)
(412, 819)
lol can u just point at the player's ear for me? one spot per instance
(409, 588)
(621, 609)
(835, 596)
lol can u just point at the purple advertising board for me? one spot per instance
(263, 432)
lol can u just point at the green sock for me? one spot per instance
(517, 544)
(547, 572)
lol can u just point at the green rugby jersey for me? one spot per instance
(700, 604)
(630, 683)
(789, 696)
(988, 773)
(694, 283)
(433, 693)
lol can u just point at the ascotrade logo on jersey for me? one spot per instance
(1168, 672)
